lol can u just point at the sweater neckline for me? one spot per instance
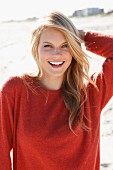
(32, 81)
(50, 91)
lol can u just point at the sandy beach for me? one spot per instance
(15, 58)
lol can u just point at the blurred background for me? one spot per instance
(19, 18)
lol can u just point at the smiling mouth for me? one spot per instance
(60, 63)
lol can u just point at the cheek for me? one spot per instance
(41, 55)
(69, 57)
(68, 54)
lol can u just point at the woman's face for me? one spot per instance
(54, 55)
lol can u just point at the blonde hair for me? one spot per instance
(73, 84)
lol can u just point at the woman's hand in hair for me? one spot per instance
(82, 34)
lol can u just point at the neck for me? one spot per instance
(52, 83)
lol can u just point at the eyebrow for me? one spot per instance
(46, 42)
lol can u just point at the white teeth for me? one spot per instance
(56, 63)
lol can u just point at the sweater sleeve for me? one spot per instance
(6, 127)
(104, 82)
(100, 44)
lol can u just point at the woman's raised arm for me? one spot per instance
(100, 44)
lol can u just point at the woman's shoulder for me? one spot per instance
(13, 82)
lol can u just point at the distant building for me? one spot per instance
(88, 11)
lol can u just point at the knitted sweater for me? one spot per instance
(35, 123)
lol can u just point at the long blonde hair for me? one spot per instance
(73, 84)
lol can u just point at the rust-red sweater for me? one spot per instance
(35, 125)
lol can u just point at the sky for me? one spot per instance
(22, 9)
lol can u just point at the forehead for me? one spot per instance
(52, 33)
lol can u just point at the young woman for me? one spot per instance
(52, 120)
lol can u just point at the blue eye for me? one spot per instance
(47, 45)
(65, 46)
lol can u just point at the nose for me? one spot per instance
(56, 51)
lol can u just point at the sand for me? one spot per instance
(15, 58)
